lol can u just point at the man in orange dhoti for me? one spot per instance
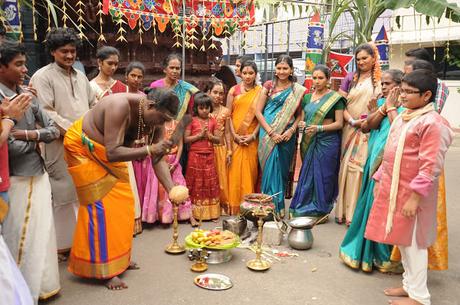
(96, 148)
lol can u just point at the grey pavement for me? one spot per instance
(316, 277)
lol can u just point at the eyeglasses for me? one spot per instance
(406, 92)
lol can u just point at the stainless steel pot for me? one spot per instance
(218, 256)
(300, 236)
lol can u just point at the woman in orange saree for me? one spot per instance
(221, 114)
(243, 169)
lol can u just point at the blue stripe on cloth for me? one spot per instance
(102, 232)
(92, 249)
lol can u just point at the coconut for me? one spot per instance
(178, 194)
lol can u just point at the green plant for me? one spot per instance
(366, 12)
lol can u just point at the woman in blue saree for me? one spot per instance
(278, 113)
(356, 251)
(320, 149)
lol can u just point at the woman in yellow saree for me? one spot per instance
(243, 169)
(221, 114)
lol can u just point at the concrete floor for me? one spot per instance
(316, 277)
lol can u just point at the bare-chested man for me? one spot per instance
(96, 147)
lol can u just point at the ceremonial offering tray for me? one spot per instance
(259, 201)
(212, 239)
(213, 281)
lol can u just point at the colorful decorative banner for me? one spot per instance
(338, 63)
(381, 41)
(315, 43)
(209, 18)
(12, 15)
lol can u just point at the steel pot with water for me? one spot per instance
(300, 236)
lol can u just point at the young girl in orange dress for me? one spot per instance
(201, 174)
(222, 150)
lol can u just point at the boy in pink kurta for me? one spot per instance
(404, 209)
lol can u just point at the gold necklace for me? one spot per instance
(217, 113)
(316, 97)
(140, 124)
(246, 89)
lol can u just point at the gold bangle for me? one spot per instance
(381, 111)
(391, 109)
(149, 153)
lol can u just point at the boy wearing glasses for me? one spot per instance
(404, 209)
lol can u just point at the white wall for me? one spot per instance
(451, 110)
(415, 33)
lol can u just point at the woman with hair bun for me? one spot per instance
(104, 84)
(172, 66)
(135, 72)
(244, 128)
(317, 187)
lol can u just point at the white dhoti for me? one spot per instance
(415, 263)
(29, 233)
(65, 220)
(14, 290)
(137, 202)
(65, 199)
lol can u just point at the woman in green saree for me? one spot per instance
(317, 187)
(356, 251)
(278, 111)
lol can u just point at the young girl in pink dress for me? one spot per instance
(159, 208)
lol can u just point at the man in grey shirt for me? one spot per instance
(29, 228)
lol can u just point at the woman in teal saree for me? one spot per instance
(317, 187)
(185, 91)
(278, 113)
(356, 251)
